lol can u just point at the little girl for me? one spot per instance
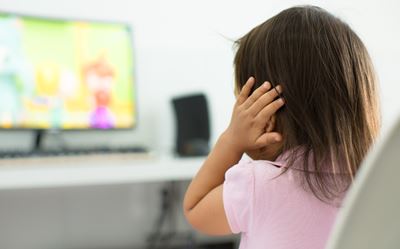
(306, 116)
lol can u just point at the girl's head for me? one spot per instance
(329, 87)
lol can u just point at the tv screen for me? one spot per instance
(65, 74)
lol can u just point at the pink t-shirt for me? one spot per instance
(274, 212)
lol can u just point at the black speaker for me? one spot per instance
(192, 125)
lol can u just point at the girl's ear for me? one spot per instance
(271, 124)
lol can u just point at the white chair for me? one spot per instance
(370, 217)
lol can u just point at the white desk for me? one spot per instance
(94, 170)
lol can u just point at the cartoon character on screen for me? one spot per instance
(100, 76)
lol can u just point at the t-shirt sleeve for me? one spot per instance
(238, 195)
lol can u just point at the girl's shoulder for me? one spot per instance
(260, 175)
(255, 186)
(259, 168)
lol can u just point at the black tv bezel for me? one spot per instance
(128, 26)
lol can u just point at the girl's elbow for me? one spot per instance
(203, 226)
(192, 219)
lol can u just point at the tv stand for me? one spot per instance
(37, 140)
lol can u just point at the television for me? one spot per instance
(65, 74)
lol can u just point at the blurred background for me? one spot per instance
(179, 47)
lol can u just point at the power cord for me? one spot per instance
(158, 239)
(165, 209)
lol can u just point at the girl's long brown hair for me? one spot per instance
(331, 116)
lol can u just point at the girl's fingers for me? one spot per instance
(265, 100)
(257, 94)
(268, 138)
(271, 124)
(244, 93)
(266, 113)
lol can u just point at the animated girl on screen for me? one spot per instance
(100, 77)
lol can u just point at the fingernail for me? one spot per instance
(267, 84)
(282, 100)
(278, 88)
(277, 139)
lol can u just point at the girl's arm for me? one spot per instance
(203, 205)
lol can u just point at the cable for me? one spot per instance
(169, 198)
(164, 210)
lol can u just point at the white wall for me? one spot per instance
(184, 46)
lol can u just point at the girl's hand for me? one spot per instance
(248, 129)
